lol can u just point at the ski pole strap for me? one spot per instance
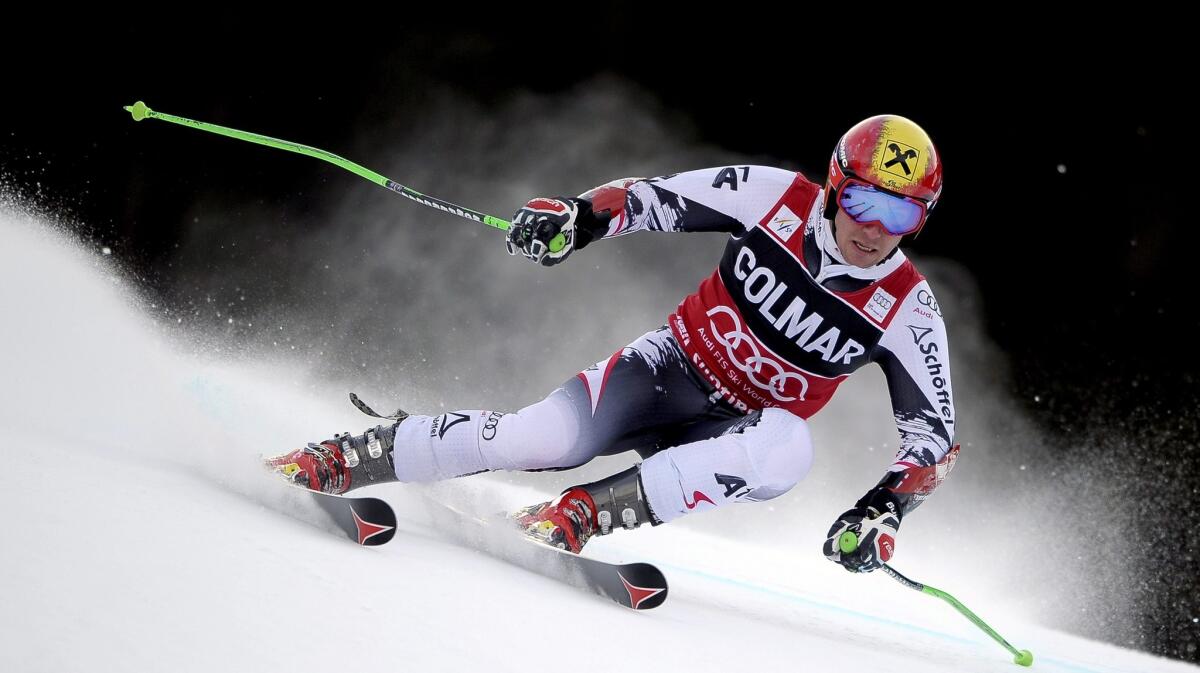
(362, 406)
(140, 111)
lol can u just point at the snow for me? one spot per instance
(140, 535)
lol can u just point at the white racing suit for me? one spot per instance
(716, 401)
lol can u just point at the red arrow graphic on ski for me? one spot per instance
(637, 595)
(366, 529)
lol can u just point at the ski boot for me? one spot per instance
(571, 519)
(346, 461)
(342, 463)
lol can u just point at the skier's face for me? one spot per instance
(863, 245)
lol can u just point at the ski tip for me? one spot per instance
(645, 586)
(374, 521)
(139, 110)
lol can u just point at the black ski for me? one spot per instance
(639, 586)
(372, 522)
(367, 521)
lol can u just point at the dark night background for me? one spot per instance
(1067, 191)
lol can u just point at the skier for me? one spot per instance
(812, 286)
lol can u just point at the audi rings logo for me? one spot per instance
(489, 426)
(927, 299)
(752, 363)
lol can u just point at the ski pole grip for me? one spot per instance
(848, 542)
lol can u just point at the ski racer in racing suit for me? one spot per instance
(812, 286)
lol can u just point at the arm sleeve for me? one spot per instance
(915, 359)
(729, 199)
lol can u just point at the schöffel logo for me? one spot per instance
(938, 378)
(742, 350)
(446, 421)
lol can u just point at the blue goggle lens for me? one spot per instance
(897, 215)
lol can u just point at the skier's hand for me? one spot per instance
(538, 222)
(874, 522)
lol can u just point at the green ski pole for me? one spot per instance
(140, 111)
(848, 542)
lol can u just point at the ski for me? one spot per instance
(638, 586)
(366, 521)
(372, 522)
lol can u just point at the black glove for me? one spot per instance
(538, 222)
(874, 521)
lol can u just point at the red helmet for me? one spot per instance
(891, 153)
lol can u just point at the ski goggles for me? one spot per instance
(867, 203)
